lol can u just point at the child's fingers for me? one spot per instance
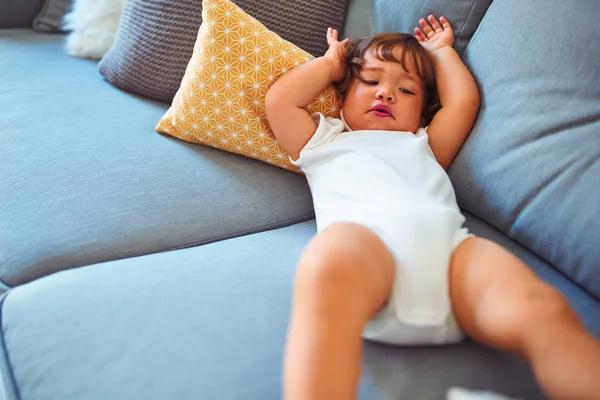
(330, 38)
(445, 23)
(419, 34)
(435, 23)
(426, 28)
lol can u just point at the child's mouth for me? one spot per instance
(380, 114)
(381, 111)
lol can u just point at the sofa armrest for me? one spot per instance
(19, 13)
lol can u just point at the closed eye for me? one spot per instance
(371, 83)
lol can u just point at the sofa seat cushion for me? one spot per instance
(209, 323)
(84, 177)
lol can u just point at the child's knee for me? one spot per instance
(346, 256)
(513, 320)
(331, 275)
(544, 303)
(327, 269)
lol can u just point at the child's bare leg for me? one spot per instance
(500, 302)
(344, 277)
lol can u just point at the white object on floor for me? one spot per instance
(456, 393)
(93, 25)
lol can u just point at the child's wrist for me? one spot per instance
(331, 68)
(441, 51)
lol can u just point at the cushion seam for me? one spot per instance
(6, 358)
(4, 285)
(460, 30)
(236, 234)
(258, 229)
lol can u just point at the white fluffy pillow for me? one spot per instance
(93, 25)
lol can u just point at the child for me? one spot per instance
(391, 260)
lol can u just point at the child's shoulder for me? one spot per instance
(328, 126)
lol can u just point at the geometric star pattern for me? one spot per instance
(221, 99)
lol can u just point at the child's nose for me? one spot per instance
(384, 93)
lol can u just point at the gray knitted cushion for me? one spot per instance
(156, 38)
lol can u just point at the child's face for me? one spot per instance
(386, 83)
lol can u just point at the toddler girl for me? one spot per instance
(392, 261)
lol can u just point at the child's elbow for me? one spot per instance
(271, 100)
(471, 103)
(476, 102)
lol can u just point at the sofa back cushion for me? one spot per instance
(404, 15)
(531, 165)
(156, 38)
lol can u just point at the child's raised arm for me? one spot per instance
(459, 96)
(286, 100)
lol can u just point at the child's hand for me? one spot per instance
(336, 54)
(435, 36)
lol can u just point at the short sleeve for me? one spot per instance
(327, 130)
(422, 133)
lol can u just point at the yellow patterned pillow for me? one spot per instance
(221, 100)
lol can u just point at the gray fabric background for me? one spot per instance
(50, 18)
(531, 166)
(404, 15)
(19, 13)
(156, 38)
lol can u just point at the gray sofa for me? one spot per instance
(137, 266)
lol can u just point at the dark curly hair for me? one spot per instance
(382, 46)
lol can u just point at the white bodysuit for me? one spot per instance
(391, 183)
